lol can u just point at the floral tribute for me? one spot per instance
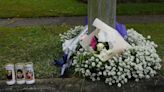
(139, 61)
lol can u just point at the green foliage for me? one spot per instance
(138, 1)
(50, 8)
(140, 8)
(41, 8)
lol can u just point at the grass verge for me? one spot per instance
(140, 8)
(51, 8)
(41, 8)
(41, 44)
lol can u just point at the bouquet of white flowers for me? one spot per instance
(138, 62)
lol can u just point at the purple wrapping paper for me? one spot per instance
(121, 29)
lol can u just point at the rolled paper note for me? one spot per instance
(29, 73)
(20, 73)
(10, 74)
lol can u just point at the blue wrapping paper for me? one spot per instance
(121, 29)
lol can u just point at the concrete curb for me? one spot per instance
(81, 85)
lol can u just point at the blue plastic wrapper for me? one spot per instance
(121, 29)
(61, 61)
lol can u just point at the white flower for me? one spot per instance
(109, 67)
(86, 66)
(141, 75)
(86, 74)
(83, 71)
(109, 73)
(113, 73)
(100, 46)
(93, 79)
(100, 73)
(86, 61)
(125, 80)
(98, 78)
(136, 80)
(97, 60)
(81, 49)
(93, 74)
(106, 80)
(85, 53)
(93, 64)
(113, 68)
(92, 58)
(98, 65)
(88, 71)
(140, 61)
(120, 69)
(147, 76)
(119, 84)
(110, 83)
(118, 73)
(129, 76)
(104, 73)
(113, 81)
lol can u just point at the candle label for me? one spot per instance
(9, 74)
(29, 73)
(20, 74)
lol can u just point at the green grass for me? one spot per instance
(41, 44)
(140, 8)
(42, 8)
